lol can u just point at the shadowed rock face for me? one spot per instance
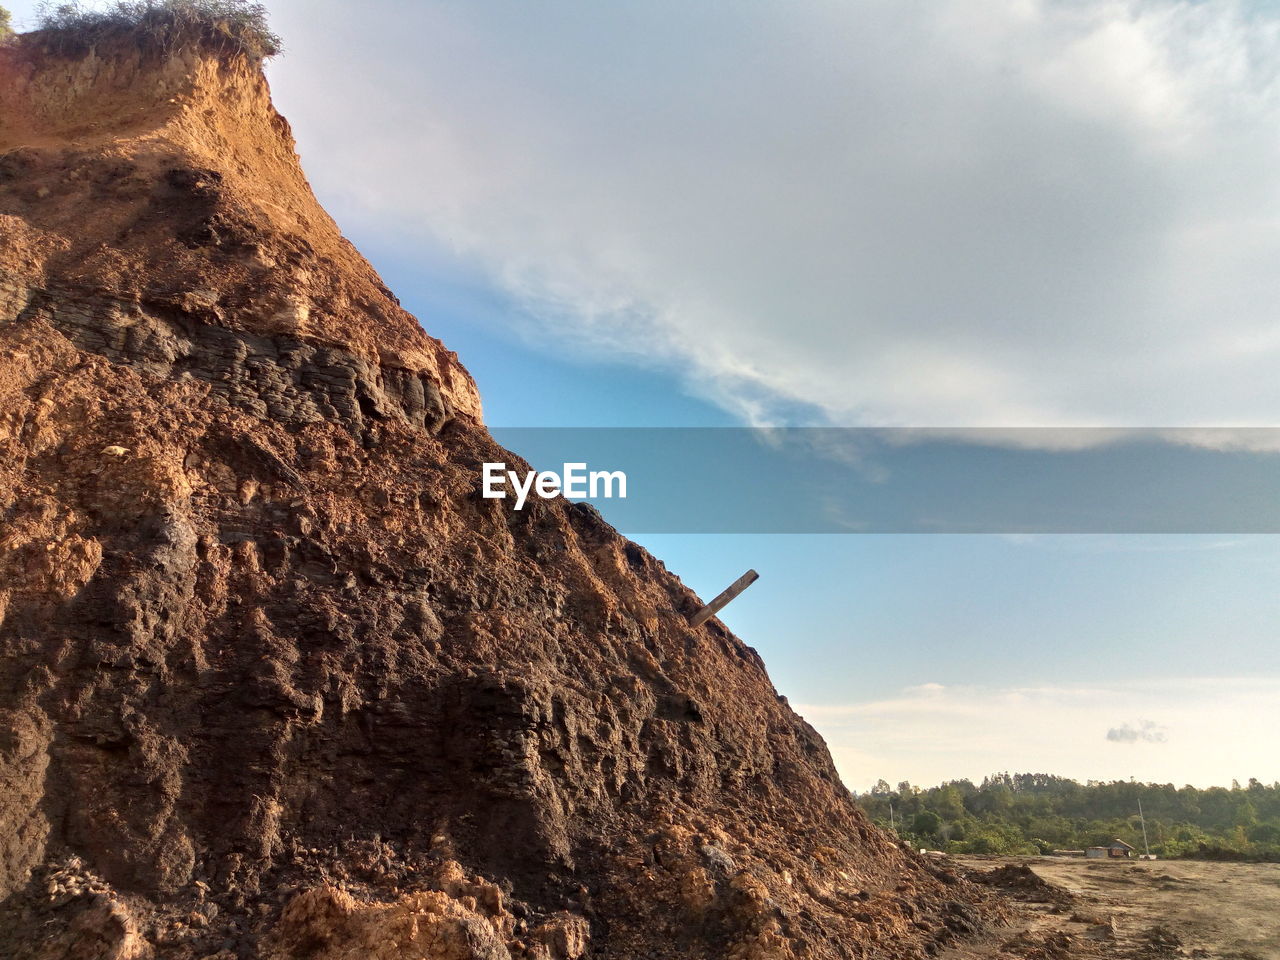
(276, 681)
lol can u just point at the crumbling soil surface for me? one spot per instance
(1020, 882)
(275, 680)
(1144, 910)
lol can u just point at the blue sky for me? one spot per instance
(930, 657)
(966, 213)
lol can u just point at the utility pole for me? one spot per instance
(891, 824)
(1145, 849)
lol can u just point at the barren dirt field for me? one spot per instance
(1142, 909)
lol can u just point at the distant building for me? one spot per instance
(1118, 848)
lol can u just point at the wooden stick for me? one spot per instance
(722, 601)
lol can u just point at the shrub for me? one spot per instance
(163, 26)
(926, 823)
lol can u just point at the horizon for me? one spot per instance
(977, 783)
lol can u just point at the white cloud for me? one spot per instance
(960, 213)
(1144, 731)
(1207, 731)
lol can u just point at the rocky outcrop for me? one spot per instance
(275, 680)
(167, 187)
(279, 377)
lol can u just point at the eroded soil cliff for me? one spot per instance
(276, 681)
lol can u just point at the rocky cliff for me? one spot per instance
(276, 681)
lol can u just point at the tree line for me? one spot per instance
(1036, 813)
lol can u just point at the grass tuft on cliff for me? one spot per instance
(160, 26)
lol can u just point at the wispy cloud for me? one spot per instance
(962, 213)
(1145, 731)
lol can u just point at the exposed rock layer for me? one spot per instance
(276, 681)
(279, 376)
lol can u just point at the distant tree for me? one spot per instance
(1246, 815)
(948, 802)
(6, 24)
(1266, 833)
(926, 823)
(1025, 813)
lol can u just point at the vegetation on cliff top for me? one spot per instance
(162, 26)
(1030, 813)
(6, 23)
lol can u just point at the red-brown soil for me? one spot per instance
(276, 681)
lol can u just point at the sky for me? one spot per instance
(864, 213)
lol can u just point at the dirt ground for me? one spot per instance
(1073, 907)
